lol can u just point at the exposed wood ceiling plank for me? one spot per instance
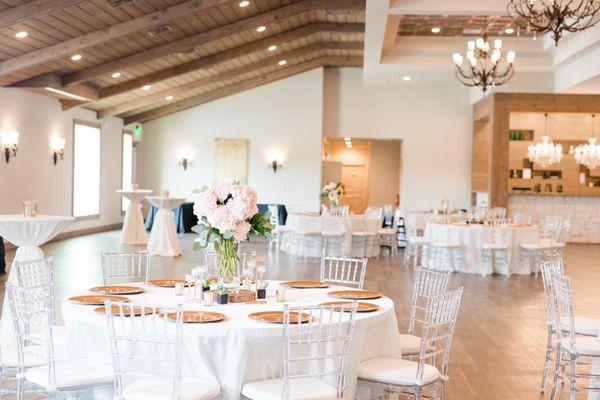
(230, 74)
(205, 37)
(71, 46)
(54, 81)
(33, 9)
(240, 87)
(227, 55)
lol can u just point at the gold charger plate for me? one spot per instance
(117, 289)
(137, 310)
(347, 306)
(305, 284)
(276, 317)
(355, 294)
(166, 282)
(96, 300)
(197, 317)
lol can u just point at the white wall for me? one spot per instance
(284, 116)
(32, 176)
(433, 122)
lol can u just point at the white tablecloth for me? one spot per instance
(299, 222)
(163, 237)
(423, 218)
(27, 234)
(473, 236)
(239, 349)
(134, 231)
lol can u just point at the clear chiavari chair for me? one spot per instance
(578, 356)
(374, 212)
(426, 377)
(313, 350)
(521, 219)
(547, 248)
(147, 351)
(428, 283)
(415, 244)
(32, 311)
(125, 267)
(344, 271)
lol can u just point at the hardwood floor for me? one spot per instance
(500, 337)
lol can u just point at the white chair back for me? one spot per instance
(344, 271)
(521, 219)
(125, 267)
(438, 331)
(374, 212)
(145, 343)
(564, 319)
(428, 283)
(551, 227)
(549, 269)
(318, 348)
(32, 311)
(34, 273)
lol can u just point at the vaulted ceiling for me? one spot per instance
(143, 59)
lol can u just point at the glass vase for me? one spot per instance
(229, 265)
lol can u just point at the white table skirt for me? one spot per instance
(163, 237)
(134, 231)
(317, 223)
(239, 349)
(27, 234)
(473, 236)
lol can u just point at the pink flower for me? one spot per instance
(241, 231)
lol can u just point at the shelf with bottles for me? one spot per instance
(521, 134)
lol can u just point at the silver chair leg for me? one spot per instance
(548, 358)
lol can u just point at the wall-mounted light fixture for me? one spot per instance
(185, 157)
(57, 145)
(10, 141)
(275, 162)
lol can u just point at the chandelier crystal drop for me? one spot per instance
(484, 66)
(588, 154)
(545, 153)
(555, 16)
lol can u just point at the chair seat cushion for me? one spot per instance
(447, 244)
(300, 389)
(73, 373)
(333, 233)
(387, 231)
(34, 355)
(160, 389)
(586, 345)
(543, 244)
(410, 344)
(587, 326)
(396, 371)
(494, 246)
(361, 233)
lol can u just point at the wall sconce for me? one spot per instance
(185, 157)
(275, 162)
(57, 145)
(10, 140)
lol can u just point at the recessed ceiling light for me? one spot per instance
(116, 75)
(244, 3)
(76, 57)
(436, 29)
(261, 28)
(21, 35)
(406, 78)
(146, 87)
(169, 98)
(272, 47)
(282, 62)
(509, 31)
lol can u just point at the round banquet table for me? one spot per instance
(238, 349)
(163, 237)
(306, 222)
(473, 236)
(422, 218)
(28, 234)
(134, 231)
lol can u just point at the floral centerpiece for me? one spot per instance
(228, 214)
(334, 191)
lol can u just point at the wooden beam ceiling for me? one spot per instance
(230, 74)
(193, 41)
(52, 81)
(71, 46)
(33, 9)
(241, 86)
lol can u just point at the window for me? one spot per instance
(86, 170)
(127, 164)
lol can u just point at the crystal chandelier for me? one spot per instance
(587, 154)
(545, 153)
(484, 67)
(554, 16)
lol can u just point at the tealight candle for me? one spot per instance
(179, 289)
(280, 295)
(208, 298)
